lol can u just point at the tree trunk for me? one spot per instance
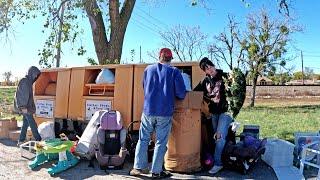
(58, 56)
(98, 29)
(109, 51)
(253, 94)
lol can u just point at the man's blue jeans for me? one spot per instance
(162, 127)
(29, 121)
(220, 123)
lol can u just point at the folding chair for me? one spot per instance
(310, 155)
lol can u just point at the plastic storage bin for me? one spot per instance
(279, 153)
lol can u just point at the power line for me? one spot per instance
(150, 22)
(145, 27)
(307, 55)
(159, 21)
(312, 67)
(310, 60)
(311, 52)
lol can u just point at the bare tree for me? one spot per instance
(186, 42)
(7, 76)
(153, 55)
(226, 47)
(108, 20)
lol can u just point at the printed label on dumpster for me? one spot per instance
(95, 105)
(44, 108)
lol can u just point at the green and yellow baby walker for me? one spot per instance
(53, 149)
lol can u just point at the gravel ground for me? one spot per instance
(13, 166)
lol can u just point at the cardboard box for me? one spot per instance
(182, 104)
(10, 124)
(14, 135)
(4, 133)
(192, 100)
(195, 99)
(6, 125)
(183, 154)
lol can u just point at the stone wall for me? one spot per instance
(284, 91)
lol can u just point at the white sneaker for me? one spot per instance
(215, 169)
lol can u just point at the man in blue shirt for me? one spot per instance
(162, 83)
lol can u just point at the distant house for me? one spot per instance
(262, 80)
(306, 82)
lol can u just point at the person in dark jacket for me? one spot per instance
(24, 103)
(162, 83)
(214, 93)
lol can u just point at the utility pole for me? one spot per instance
(302, 68)
(211, 52)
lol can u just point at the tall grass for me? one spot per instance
(282, 121)
(6, 102)
(7, 95)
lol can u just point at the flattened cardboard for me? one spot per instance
(183, 154)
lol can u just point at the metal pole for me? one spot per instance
(302, 68)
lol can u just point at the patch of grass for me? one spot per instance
(9, 116)
(6, 102)
(282, 122)
(7, 95)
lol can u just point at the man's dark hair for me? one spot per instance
(167, 59)
(204, 63)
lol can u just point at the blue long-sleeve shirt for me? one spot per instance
(162, 83)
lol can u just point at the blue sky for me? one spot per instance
(148, 18)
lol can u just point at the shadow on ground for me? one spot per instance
(8, 142)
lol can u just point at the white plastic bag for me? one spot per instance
(187, 81)
(105, 76)
(89, 141)
(46, 130)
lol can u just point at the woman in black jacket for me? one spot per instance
(214, 93)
